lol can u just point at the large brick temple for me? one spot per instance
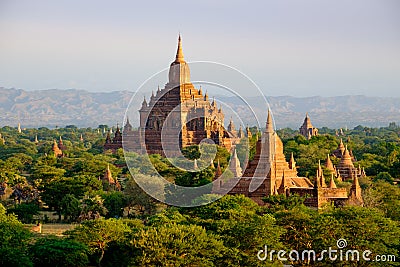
(177, 116)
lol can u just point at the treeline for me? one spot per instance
(228, 232)
(134, 229)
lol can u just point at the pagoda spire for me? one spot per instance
(341, 146)
(283, 188)
(346, 159)
(144, 103)
(329, 165)
(332, 182)
(355, 197)
(323, 184)
(248, 132)
(320, 176)
(206, 96)
(218, 172)
(234, 165)
(108, 138)
(240, 134)
(108, 175)
(231, 125)
(269, 126)
(179, 53)
(292, 162)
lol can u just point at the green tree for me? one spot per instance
(241, 226)
(282, 202)
(44, 174)
(384, 176)
(177, 245)
(70, 207)
(138, 198)
(365, 228)
(99, 234)
(115, 203)
(53, 251)
(92, 208)
(14, 240)
(191, 152)
(383, 196)
(298, 223)
(54, 191)
(194, 179)
(25, 211)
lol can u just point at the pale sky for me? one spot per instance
(297, 47)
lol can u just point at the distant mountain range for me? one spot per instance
(56, 107)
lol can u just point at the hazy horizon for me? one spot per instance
(297, 48)
(216, 95)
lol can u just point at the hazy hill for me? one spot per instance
(82, 108)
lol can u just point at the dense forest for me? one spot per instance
(122, 226)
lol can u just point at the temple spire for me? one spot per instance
(248, 132)
(241, 133)
(206, 96)
(144, 103)
(179, 52)
(269, 126)
(341, 146)
(108, 175)
(332, 182)
(320, 176)
(218, 171)
(234, 165)
(283, 188)
(292, 162)
(329, 165)
(355, 197)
